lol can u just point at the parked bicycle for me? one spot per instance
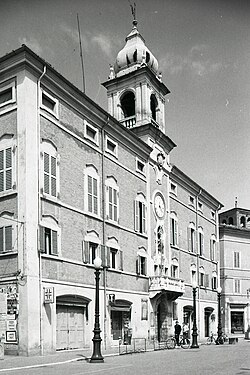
(217, 340)
(184, 342)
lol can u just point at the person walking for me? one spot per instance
(185, 331)
(177, 331)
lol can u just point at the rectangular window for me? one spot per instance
(50, 175)
(90, 132)
(6, 169)
(202, 279)
(141, 265)
(191, 239)
(237, 288)
(236, 259)
(93, 251)
(49, 103)
(214, 282)
(140, 217)
(92, 195)
(212, 249)
(173, 232)
(113, 203)
(144, 309)
(201, 244)
(191, 201)
(174, 271)
(90, 252)
(7, 93)
(6, 96)
(173, 188)
(50, 241)
(111, 146)
(140, 166)
(5, 239)
(113, 258)
(200, 206)
(193, 277)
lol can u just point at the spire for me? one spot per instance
(133, 11)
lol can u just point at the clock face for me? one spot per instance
(159, 206)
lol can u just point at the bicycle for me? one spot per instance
(219, 340)
(184, 342)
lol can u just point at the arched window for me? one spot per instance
(201, 241)
(175, 268)
(212, 247)
(224, 221)
(193, 270)
(243, 222)
(92, 190)
(153, 106)
(231, 221)
(128, 104)
(50, 168)
(191, 237)
(112, 199)
(140, 213)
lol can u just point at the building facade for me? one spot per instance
(235, 270)
(78, 182)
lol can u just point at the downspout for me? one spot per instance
(218, 253)
(104, 238)
(198, 259)
(39, 206)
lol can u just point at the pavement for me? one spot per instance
(11, 363)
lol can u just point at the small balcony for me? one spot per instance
(129, 122)
(158, 284)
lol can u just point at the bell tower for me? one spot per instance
(136, 93)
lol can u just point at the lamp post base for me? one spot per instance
(96, 356)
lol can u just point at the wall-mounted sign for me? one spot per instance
(48, 295)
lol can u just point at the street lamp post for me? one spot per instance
(97, 356)
(194, 334)
(219, 338)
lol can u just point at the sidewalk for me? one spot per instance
(14, 362)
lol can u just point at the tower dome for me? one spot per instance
(134, 54)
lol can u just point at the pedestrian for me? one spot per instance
(177, 331)
(185, 331)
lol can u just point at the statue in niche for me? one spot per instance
(159, 169)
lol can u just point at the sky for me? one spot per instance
(203, 50)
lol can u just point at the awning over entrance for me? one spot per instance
(120, 305)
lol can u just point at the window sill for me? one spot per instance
(7, 253)
(7, 193)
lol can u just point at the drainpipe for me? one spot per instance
(104, 237)
(218, 252)
(198, 259)
(39, 206)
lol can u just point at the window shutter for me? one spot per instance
(206, 281)
(1, 240)
(143, 218)
(136, 204)
(1, 160)
(121, 260)
(171, 231)
(145, 270)
(46, 172)
(54, 249)
(8, 165)
(189, 239)
(108, 256)
(8, 238)
(175, 233)
(107, 202)
(42, 239)
(89, 193)
(86, 254)
(137, 265)
(103, 256)
(95, 196)
(8, 158)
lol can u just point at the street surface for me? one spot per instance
(221, 360)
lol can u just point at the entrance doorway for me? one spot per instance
(237, 322)
(164, 321)
(120, 315)
(71, 319)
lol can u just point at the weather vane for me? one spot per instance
(133, 11)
